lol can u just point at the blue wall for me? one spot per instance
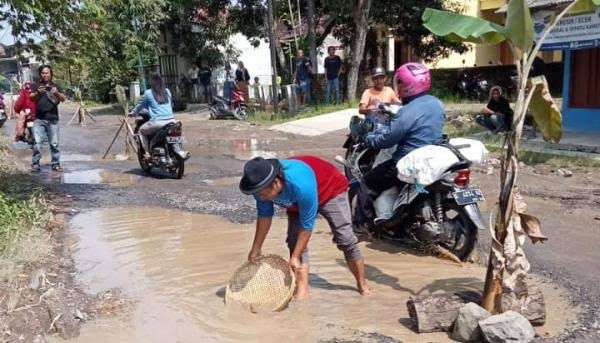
(577, 119)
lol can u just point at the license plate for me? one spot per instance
(175, 139)
(468, 196)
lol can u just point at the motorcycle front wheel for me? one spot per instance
(145, 165)
(241, 113)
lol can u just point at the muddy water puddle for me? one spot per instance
(247, 149)
(24, 153)
(174, 265)
(97, 176)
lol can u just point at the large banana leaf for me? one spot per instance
(545, 111)
(583, 6)
(461, 28)
(519, 26)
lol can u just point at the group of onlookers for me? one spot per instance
(240, 79)
(202, 76)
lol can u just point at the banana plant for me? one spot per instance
(508, 265)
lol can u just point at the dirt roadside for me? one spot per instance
(43, 298)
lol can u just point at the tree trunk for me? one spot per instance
(361, 22)
(312, 44)
(282, 62)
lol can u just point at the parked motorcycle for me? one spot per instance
(235, 108)
(444, 213)
(514, 84)
(2, 111)
(473, 87)
(29, 122)
(166, 147)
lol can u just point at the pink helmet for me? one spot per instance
(412, 79)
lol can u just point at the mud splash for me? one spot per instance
(97, 176)
(77, 158)
(174, 265)
(247, 149)
(223, 181)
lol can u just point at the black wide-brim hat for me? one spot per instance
(259, 173)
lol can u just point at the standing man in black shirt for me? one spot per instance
(333, 67)
(242, 77)
(47, 95)
(205, 75)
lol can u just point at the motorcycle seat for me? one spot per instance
(459, 166)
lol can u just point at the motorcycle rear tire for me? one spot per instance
(179, 167)
(471, 233)
(2, 122)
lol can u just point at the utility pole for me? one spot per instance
(136, 23)
(275, 96)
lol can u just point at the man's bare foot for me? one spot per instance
(364, 289)
(301, 294)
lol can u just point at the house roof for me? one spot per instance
(285, 31)
(537, 4)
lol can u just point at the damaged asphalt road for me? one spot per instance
(567, 207)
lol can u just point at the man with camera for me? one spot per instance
(47, 96)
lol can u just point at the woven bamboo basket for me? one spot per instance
(267, 284)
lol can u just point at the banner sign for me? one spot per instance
(581, 31)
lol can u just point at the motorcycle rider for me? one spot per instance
(418, 123)
(158, 102)
(25, 108)
(378, 93)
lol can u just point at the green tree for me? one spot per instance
(201, 29)
(27, 19)
(350, 21)
(104, 39)
(401, 17)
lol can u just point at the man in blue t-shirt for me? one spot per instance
(333, 68)
(306, 186)
(303, 74)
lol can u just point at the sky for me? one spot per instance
(5, 37)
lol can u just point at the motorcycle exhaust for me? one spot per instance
(182, 153)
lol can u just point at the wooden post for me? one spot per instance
(113, 140)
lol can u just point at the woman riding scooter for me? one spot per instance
(158, 102)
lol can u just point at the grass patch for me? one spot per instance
(270, 118)
(533, 158)
(463, 127)
(24, 215)
(466, 130)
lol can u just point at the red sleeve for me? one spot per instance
(20, 102)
